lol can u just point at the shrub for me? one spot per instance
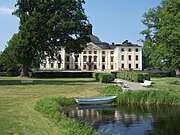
(133, 76)
(8, 73)
(96, 75)
(106, 77)
(62, 74)
(163, 74)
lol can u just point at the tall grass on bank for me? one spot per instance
(53, 107)
(150, 97)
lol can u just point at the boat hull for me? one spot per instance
(92, 101)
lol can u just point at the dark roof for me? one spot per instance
(126, 43)
(105, 45)
(94, 39)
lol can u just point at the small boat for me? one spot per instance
(100, 100)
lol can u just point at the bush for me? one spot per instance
(96, 76)
(9, 74)
(133, 76)
(106, 77)
(52, 74)
(163, 74)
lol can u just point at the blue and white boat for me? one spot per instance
(93, 101)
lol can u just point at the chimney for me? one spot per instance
(90, 28)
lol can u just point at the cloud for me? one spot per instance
(6, 11)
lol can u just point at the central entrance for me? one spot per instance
(90, 63)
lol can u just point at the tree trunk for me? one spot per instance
(25, 70)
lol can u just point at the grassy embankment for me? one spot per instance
(164, 91)
(17, 103)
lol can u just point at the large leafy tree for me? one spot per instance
(162, 36)
(47, 26)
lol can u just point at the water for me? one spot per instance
(130, 120)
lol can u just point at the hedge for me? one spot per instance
(9, 73)
(104, 77)
(52, 74)
(162, 74)
(134, 76)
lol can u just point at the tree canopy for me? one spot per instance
(47, 26)
(162, 36)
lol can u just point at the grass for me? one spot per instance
(17, 114)
(163, 92)
(53, 107)
(17, 102)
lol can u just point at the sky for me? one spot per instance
(112, 20)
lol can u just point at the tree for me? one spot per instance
(162, 36)
(7, 58)
(46, 26)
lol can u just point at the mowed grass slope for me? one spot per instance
(17, 114)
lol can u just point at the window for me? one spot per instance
(76, 66)
(90, 59)
(59, 57)
(84, 58)
(137, 50)
(95, 52)
(95, 58)
(112, 52)
(44, 65)
(122, 65)
(103, 52)
(67, 58)
(103, 58)
(103, 66)
(67, 66)
(129, 57)
(59, 65)
(112, 66)
(112, 59)
(84, 52)
(137, 66)
(122, 50)
(84, 67)
(95, 66)
(129, 66)
(76, 58)
(52, 65)
(136, 57)
(122, 57)
(129, 50)
(90, 52)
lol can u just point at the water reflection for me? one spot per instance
(130, 120)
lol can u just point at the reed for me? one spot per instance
(150, 97)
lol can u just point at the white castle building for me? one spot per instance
(98, 56)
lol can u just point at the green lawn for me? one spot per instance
(17, 114)
(166, 83)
